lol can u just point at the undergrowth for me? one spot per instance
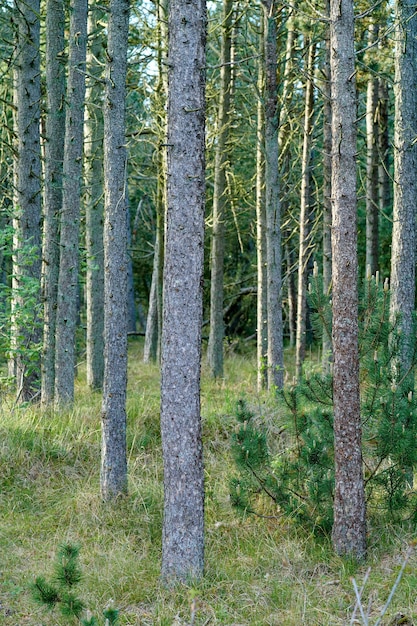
(259, 570)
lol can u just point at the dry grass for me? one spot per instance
(258, 571)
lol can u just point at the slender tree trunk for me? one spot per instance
(284, 150)
(183, 527)
(372, 208)
(384, 182)
(327, 194)
(220, 199)
(150, 349)
(113, 413)
(305, 210)
(94, 205)
(66, 317)
(54, 155)
(262, 321)
(403, 257)
(26, 324)
(273, 214)
(349, 529)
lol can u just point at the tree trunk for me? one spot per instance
(327, 195)
(372, 208)
(94, 205)
(150, 349)
(305, 210)
(272, 203)
(284, 150)
(262, 321)
(403, 257)
(26, 324)
(66, 317)
(349, 529)
(183, 527)
(384, 182)
(54, 154)
(220, 198)
(113, 453)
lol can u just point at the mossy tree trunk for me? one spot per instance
(67, 310)
(93, 168)
(26, 323)
(54, 155)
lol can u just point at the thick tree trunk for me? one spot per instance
(305, 211)
(272, 203)
(113, 453)
(94, 205)
(349, 529)
(220, 199)
(54, 155)
(67, 313)
(26, 324)
(403, 251)
(372, 207)
(183, 527)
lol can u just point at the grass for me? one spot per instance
(258, 571)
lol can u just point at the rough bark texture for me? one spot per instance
(54, 154)
(220, 199)
(113, 414)
(349, 530)
(272, 203)
(26, 325)
(262, 321)
(183, 527)
(66, 317)
(405, 182)
(305, 210)
(93, 159)
(372, 205)
(327, 194)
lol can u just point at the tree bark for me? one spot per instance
(272, 203)
(66, 316)
(349, 529)
(372, 207)
(93, 168)
(327, 357)
(405, 184)
(262, 308)
(54, 154)
(305, 210)
(220, 198)
(183, 526)
(26, 324)
(113, 413)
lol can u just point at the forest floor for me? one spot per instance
(258, 571)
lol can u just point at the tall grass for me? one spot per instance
(258, 571)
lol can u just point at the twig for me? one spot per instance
(397, 582)
(359, 603)
(368, 571)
